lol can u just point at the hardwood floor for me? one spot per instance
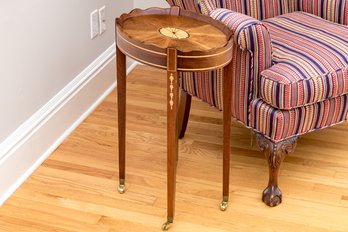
(76, 188)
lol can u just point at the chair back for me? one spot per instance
(332, 10)
(259, 9)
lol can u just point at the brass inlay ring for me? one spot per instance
(174, 33)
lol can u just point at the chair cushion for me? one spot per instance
(310, 57)
(279, 124)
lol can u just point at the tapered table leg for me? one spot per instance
(172, 132)
(121, 104)
(227, 101)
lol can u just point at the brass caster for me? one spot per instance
(122, 188)
(223, 205)
(166, 225)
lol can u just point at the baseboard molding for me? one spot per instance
(33, 142)
(132, 66)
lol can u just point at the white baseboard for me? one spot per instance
(132, 65)
(33, 142)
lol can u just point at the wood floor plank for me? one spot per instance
(76, 188)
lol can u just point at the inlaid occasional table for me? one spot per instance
(174, 40)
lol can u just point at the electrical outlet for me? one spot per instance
(94, 17)
(102, 20)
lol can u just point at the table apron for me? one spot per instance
(187, 63)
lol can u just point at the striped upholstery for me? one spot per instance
(311, 62)
(206, 6)
(191, 5)
(207, 86)
(253, 57)
(333, 10)
(321, 100)
(258, 9)
(280, 124)
(242, 25)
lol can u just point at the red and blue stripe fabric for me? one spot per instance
(251, 56)
(206, 6)
(314, 96)
(310, 57)
(306, 88)
(244, 27)
(191, 5)
(279, 124)
(332, 10)
(258, 9)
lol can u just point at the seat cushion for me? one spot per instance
(279, 124)
(310, 57)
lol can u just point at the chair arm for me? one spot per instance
(334, 11)
(247, 30)
(248, 33)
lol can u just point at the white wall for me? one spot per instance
(144, 4)
(44, 45)
(52, 75)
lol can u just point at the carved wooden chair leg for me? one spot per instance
(275, 154)
(184, 112)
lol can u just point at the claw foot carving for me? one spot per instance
(275, 153)
(272, 196)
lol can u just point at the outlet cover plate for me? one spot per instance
(94, 21)
(102, 20)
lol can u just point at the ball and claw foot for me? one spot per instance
(121, 188)
(272, 196)
(223, 205)
(166, 225)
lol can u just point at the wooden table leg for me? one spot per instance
(172, 132)
(227, 104)
(121, 104)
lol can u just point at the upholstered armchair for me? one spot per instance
(290, 71)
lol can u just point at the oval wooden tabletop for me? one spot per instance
(202, 43)
(186, 34)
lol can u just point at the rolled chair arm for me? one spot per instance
(248, 33)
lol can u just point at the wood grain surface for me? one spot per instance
(143, 36)
(76, 188)
(202, 36)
